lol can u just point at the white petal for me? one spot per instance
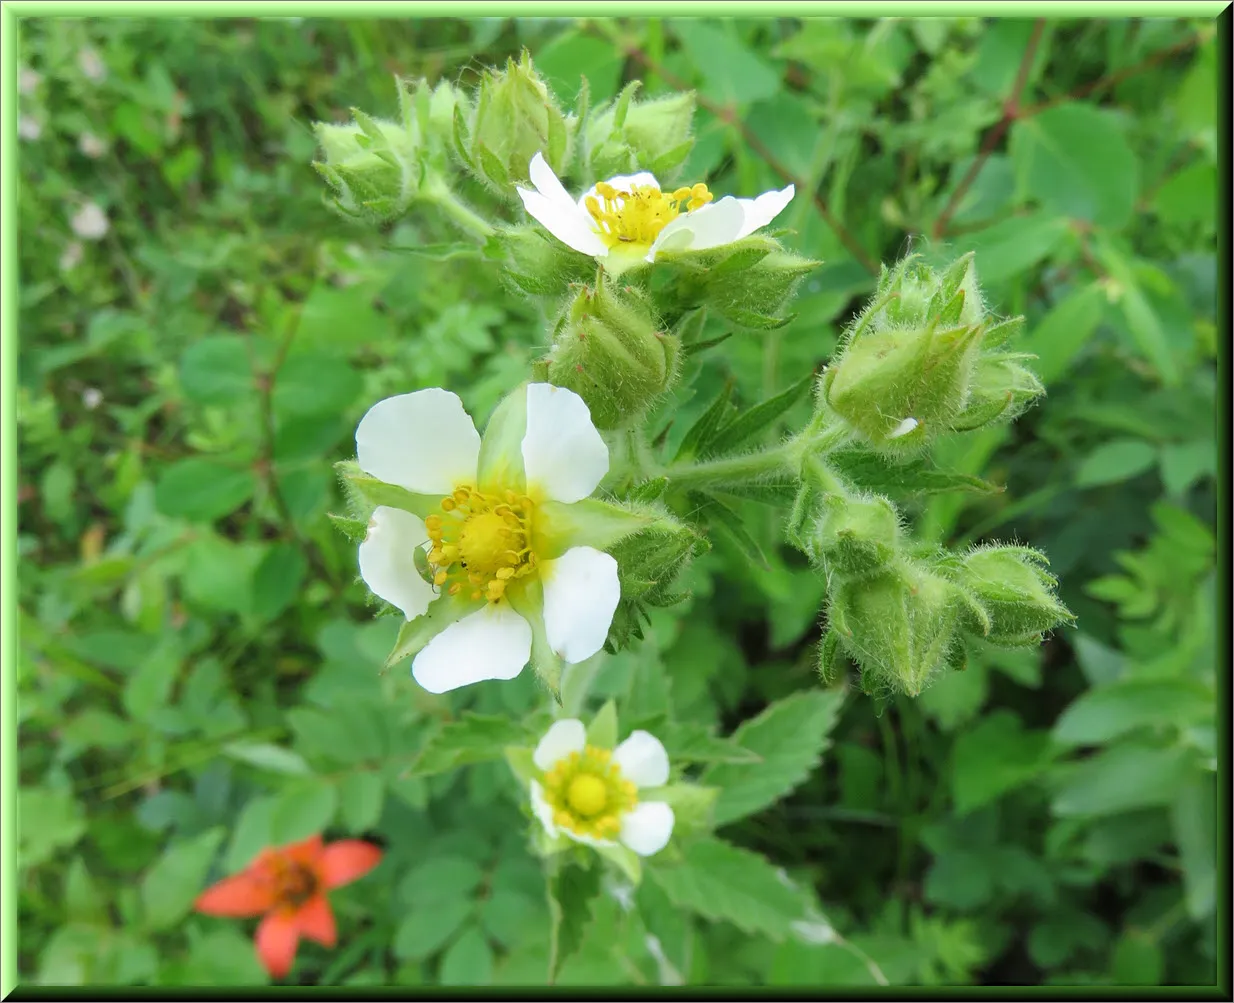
(563, 454)
(647, 828)
(387, 560)
(642, 760)
(567, 222)
(581, 590)
(714, 225)
(762, 210)
(423, 442)
(543, 810)
(492, 643)
(546, 181)
(906, 426)
(565, 736)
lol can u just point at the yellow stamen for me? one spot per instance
(588, 794)
(638, 216)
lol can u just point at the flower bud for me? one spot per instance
(628, 136)
(375, 167)
(515, 117)
(1002, 389)
(855, 537)
(610, 350)
(899, 625)
(898, 385)
(539, 265)
(1015, 591)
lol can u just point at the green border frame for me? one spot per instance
(667, 8)
(11, 15)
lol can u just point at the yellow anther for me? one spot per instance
(605, 190)
(433, 523)
(504, 573)
(439, 578)
(455, 589)
(448, 504)
(461, 495)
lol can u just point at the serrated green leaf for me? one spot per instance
(789, 736)
(170, 886)
(473, 738)
(571, 890)
(750, 423)
(719, 881)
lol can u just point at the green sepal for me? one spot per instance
(528, 602)
(379, 493)
(501, 447)
(692, 804)
(589, 523)
(602, 732)
(354, 529)
(522, 763)
(625, 859)
(413, 635)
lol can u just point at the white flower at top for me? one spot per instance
(491, 562)
(628, 219)
(90, 222)
(591, 795)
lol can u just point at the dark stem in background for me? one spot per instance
(729, 117)
(1011, 112)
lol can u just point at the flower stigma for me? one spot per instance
(588, 794)
(638, 216)
(481, 542)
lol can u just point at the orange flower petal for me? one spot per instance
(307, 851)
(315, 920)
(278, 935)
(348, 859)
(240, 895)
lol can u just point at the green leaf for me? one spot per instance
(749, 424)
(695, 441)
(468, 962)
(361, 798)
(1143, 324)
(571, 890)
(1137, 960)
(264, 756)
(202, 490)
(1193, 814)
(440, 252)
(732, 73)
(1115, 461)
(1107, 712)
(789, 736)
(50, 820)
(251, 834)
(440, 880)
(1075, 159)
(278, 579)
(1121, 778)
(993, 757)
(1183, 464)
(729, 525)
(904, 480)
(424, 931)
(315, 383)
(723, 882)
(1061, 334)
(170, 886)
(301, 810)
(473, 738)
(1013, 246)
(695, 743)
(217, 370)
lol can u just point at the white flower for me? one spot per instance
(91, 64)
(628, 218)
(500, 526)
(28, 80)
(90, 222)
(29, 127)
(591, 795)
(91, 145)
(91, 397)
(71, 257)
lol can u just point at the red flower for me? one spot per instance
(289, 884)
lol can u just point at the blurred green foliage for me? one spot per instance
(198, 671)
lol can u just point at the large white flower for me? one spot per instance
(628, 219)
(591, 795)
(493, 548)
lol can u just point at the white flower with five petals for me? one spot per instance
(591, 795)
(490, 547)
(628, 219)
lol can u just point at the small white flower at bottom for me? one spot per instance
(591, 795)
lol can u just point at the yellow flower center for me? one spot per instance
(638, 216)
(588, 794)
(481, 542)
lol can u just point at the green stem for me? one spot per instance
(452, 206)
(576, 685)
(750, 467)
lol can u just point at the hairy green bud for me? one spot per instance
(1002, 389)
(515, 117)
(628, 136)
(610, 349)
(855, 537)
(1016, 593)
(537, 264)
(900, 625)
